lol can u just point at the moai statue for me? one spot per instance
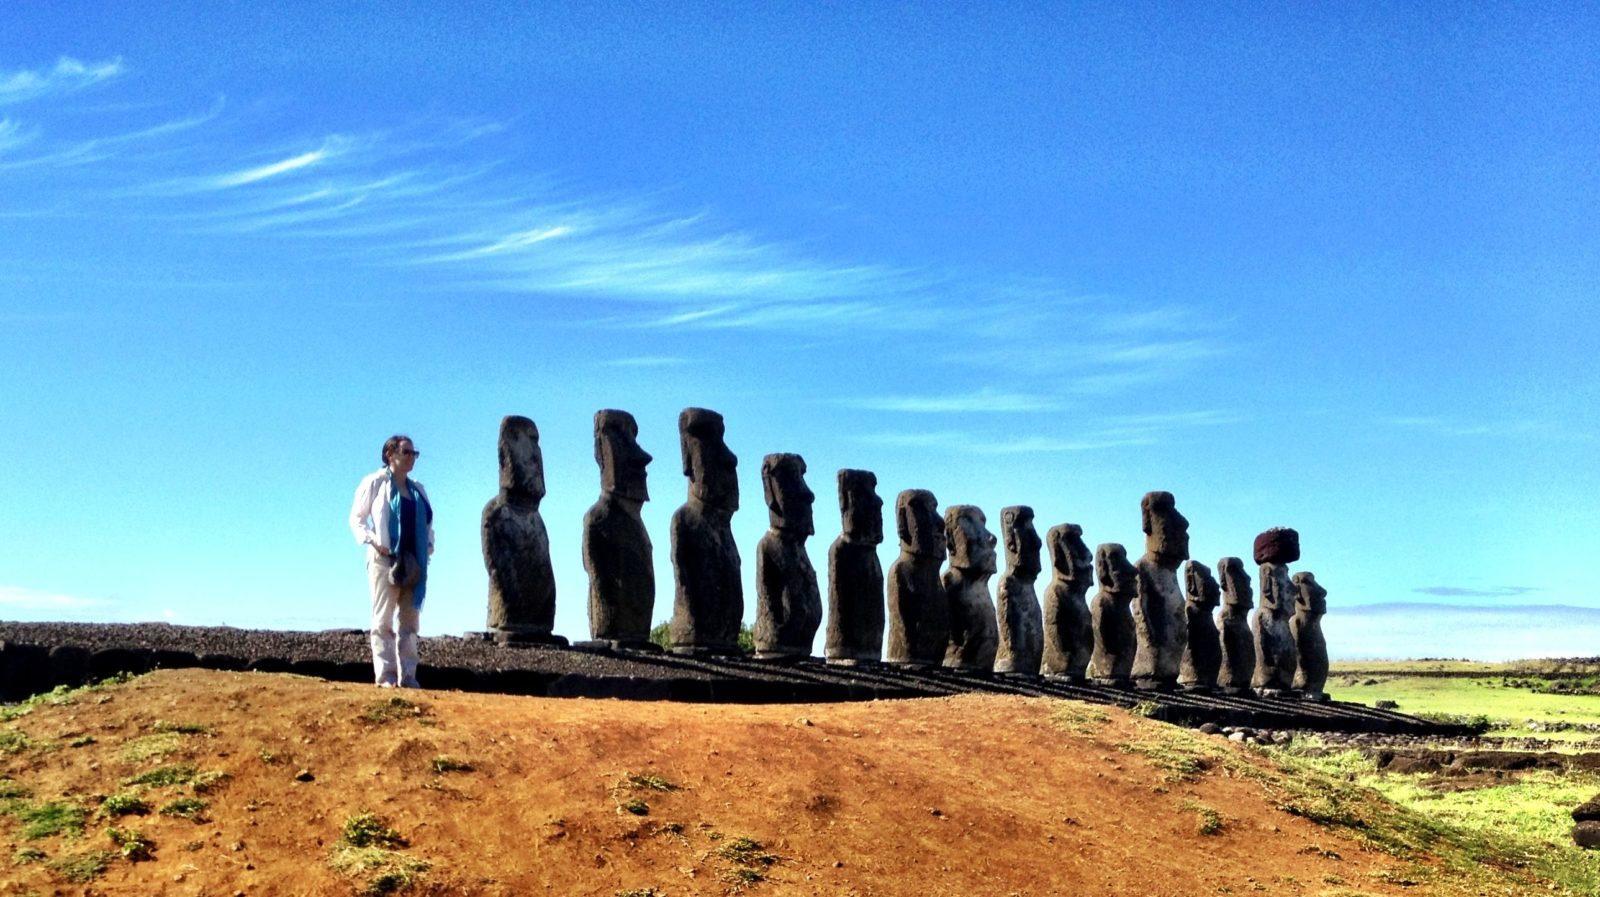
(855, 575)
(788, 604)
(974, 634)
(616, 547)
(1312, 676)
(1111, 615)
(708, 601)
(1068, 628)
(516, 547)
(1238, 645)
(919, 612)
(1277, 656)
(1202, 659)
(1020, 620)
(1161, 624)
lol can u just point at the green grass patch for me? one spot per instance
(635, 806)
(443, 764)
(1180, 754)
(1077, 718)
(164, 776)
(51, 818)
(651, 783)
(164, 726)
(10, 789)
(746, 852)
(151, 747)
(79, 868)
(368, 848)
(209, 781)
(192, 808)
(14, 741)
(370, 830)
(387, 711)
(1208, 820)
(26, 855)
(123, 804)
(1507, 696)
(131, 843)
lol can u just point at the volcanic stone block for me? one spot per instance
(788, 603)
(1111, 614)
(1068, 626)
(1202, 659)
(974, 633)
(1588, 811)
(1020, 619)
(616, 547)
(919, 612)
(1586, 835)
(1311, 678)
(516, 547)
(1161, 623)
(708, 598)
(1238, 665)
(1279, 545)
(855, 575)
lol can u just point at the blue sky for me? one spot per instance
(1329, 266)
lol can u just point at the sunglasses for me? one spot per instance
(410, 453)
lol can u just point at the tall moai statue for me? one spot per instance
(1311, 679)
(855, 575)
(1238, 668)
(616, 547)
(1020, 619)
(1160, 621)
(516, 547)
(919, 612)
(788, 604)
(1202, 658)
(974, 633)
(1111, 614)
(708, 598)
(1068, 627)
(1277, 656)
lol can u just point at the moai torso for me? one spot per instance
(1161, 623)
(974, 633)
(1068, 626)
(1020, 620)
(708, 598)
(1311, 678)
(1111, 614)
(1202, 659)
(516, 547)
(1277, 655)
(788, 603)
(919, 611)
(616, 547)
(1238, 665)
(855, 575)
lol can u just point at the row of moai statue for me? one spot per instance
(1142, 629)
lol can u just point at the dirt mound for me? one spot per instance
(257, 783)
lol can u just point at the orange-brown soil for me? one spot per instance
(964, 796)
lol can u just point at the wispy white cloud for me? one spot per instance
(1104, 433)
(24, 598)
(13, 134)
(330, 147)
(67, 76)
(983, 400)
(647, 361)
(1529, 428)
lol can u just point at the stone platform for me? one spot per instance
(35, 657)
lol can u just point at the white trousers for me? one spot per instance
(394, 656)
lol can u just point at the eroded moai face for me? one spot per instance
(860, 507)
(521, 461)
(1312, 598)
(921, 529)
(968, 539)
(1237, 593)
(1022, 541)
(712, 468)
(622, 462)
(1200, 586)
(1069, 556)
(789, 499)
(1279, 545)
(1166, 531)
(1111, 567)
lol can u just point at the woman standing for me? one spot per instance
(392, 517)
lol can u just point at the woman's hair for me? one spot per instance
(392, 445)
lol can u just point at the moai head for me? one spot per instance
(1022, 541)
(789, 499)
(622, 462)
(1166, 532)
(1111, 567)
(1236, 592)
(860, 507)
(1070, 558)
(1279, 545)
(521, 462)
(1313, 598)
(917, 520)
(967, 537)
(712, 468)
(1201, 586)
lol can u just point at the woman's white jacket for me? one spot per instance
(370, 512)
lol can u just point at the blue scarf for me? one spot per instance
(424, 517)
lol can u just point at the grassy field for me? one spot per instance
(1508, 695)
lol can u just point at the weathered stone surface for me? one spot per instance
(788, 603)
(1202, 659)
(616, 547)
(974, 633)
(1111, 614)
(1588, 811)
(1586, 835)
(1161, 624)
(919, 612)
(1277, 656)
(708, 595)
(1311, 677)
(1238, 666)
(855, 575)
(1018, 615)
(1279, 545)
(1068, 627)
(516, 547)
